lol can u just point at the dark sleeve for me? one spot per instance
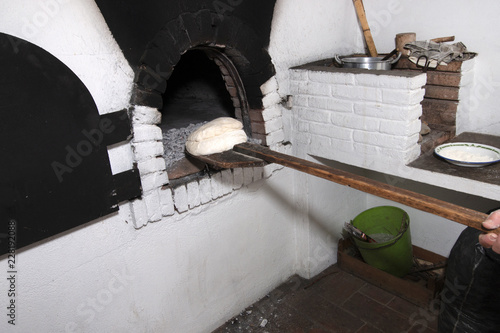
(495, 257)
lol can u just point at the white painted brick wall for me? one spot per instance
(272, 112)
(151, 165)
(275, 137)
(216, 182)
(271, 99)
(181, 199)
(273, 125)
(139, 213)
(167, 202)
(270, 86)
(227, 181)
(146, 150)
(147, 133)
(143, 115)
(205, 190)
(365, 119)
(258, 173)
(193, 194)
(237, 178)
(153, 181)
(153, 205)
(247, 176)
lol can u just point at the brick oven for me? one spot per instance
(231, 39)
(210, 56)
(140, 241)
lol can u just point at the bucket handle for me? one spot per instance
(395, 60)
(338, 61)
(404, 226)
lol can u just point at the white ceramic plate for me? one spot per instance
(468, 154)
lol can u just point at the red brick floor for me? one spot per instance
(334, 301)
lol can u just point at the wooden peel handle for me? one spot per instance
(419, 201)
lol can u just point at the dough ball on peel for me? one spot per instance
(216, 136)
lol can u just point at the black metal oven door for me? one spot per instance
(55, 172)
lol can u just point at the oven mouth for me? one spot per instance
(204, 85)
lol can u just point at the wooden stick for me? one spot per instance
(360, 11)
(419, 201)
(443, 39)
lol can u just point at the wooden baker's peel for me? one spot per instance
(249, 154)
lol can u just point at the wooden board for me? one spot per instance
(261, 154)
(418, 292)
(419, 201)
(230, 159)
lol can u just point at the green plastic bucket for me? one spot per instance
(393, 252)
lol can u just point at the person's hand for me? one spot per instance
(491, 240)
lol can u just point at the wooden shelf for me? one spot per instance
(418, 289)
(489, 174)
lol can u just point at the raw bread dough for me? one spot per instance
(216, 136)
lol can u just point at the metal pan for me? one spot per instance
(373, 63)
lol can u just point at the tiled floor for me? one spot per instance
(334, 301)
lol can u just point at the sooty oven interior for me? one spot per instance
(194, 60)
(203, 86)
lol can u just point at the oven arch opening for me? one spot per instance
(204, 85)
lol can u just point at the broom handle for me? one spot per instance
(360, 11)
(459, 214)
